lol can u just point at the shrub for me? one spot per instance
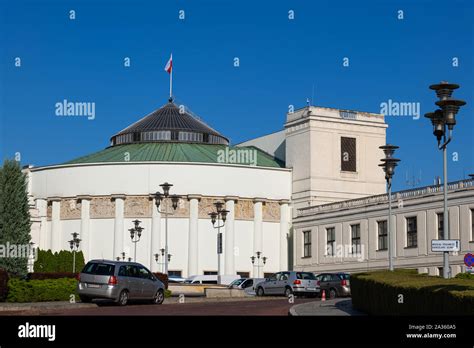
(163, 278)
(464, 276)
(58, 262)
(41, 290)
(3, 284)
(377, 293)
(167, 293)
(51, 275)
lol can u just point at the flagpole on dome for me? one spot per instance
(169, 70)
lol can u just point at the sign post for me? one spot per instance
(445, 245)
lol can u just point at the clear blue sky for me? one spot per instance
(280, 61)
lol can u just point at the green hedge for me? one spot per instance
(62, 261)
(167, 293)
(41, 290)
(377, 293)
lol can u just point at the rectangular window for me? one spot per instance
(412, 241)
(174, 273)
(210, 272)
(330, 241)
(244, 274)
(348, 154)
(382, 229)
(440, 225)
(472, 224)
(306, 243)
(355, 231)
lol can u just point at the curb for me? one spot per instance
(29, 307)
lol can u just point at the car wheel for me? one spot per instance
(123, 298)
(288, 292)
(332, 293)
(85, 299)
(260, 291)
(159, 297)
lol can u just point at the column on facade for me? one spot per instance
(155, 241)
(44, 242)
(229, 237)
(84, 234)
(55, 236)
(193, 237)
(284, 230)
(119, 225)
(257, 227)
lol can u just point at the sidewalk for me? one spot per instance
(337, 307)
(31, 306)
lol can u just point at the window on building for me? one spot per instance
(440, 225)
(174, 274)
(331, 241)
(267, 275)
(306, 243)
(412, 240)
(472, 224)
(355, 231)
(382, 231)
(210, 272)
(244, 274)
(348, 154)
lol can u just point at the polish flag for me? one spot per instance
(169, 65)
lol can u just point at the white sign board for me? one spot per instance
(445, 245)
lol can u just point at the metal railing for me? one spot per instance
(358, 202)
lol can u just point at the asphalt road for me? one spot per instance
(249, 307)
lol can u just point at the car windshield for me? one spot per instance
(305, 275)
(238, 281)
(344, 276)
(99, 269)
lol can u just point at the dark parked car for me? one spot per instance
(119, 281)
(334, 284)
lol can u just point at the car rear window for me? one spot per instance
(99, 269)
(305, 275)
(344, 276)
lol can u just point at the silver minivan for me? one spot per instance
(119, 281)
(287, 283)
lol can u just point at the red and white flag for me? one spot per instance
(169, 65)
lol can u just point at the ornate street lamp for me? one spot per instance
(217, 216)
(441, 119)
(388, 165)
(157, 258)
(258, 264)
(74, 245)
(165, 197)
(135, 235)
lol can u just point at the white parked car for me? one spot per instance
(211, 279)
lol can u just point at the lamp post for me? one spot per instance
(166, 197)
(258, 265)
(123, 256)
(388, 165)
(74, 245)
(157, 259)
(135, 235)
(218, 215)
(443, 121)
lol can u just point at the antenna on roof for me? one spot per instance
(412, 182)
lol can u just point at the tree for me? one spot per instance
(14, 218)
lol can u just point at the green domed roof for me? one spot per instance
(182, 152)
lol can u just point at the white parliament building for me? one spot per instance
(288, 194)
